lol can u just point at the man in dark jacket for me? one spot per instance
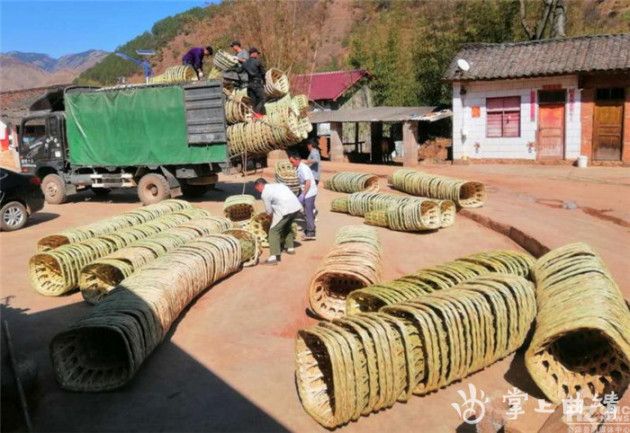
(194, 58)
(256, 81)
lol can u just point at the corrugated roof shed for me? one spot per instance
(327, 85)
(582, 54)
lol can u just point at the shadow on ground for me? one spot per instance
(171, 391)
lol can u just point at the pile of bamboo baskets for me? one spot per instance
(285, 173)
(398, 212)
(350, 182)
(174, 74)
(463, 193)
(426, 330)
(353, 263)
(364, 363)
(285, 124)
(104, 350)
(582, 338)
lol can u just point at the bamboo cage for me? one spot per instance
(436, 278)
(353, 263)
(582, 339)
(99, 278)
(364, 363)
(463, 193)
(238, 109)
(276, 83)
(285, 173)
(350, 182)
(112, 224)
(239, 208)
(104, 350)
(224, 61)
(55, 272)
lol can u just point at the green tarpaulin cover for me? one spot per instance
(133, 127)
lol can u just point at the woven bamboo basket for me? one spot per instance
(112, 224)
(300, 102)
(281, 106)
(99, 278)
(103, 350)
(339, 205)
(174, 74)
(250, 248)
(582, 338)
(377, 218)
(353, 263)
(463, 193)
(417, 215)
(285, 173)
(361, 364)
(224, 61)
(276, 83)
(439, 277)
(350, 182)
(238, 109)
(239, 207)
(56, 272)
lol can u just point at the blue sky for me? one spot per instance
(64, 27)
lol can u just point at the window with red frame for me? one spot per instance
(503, 117)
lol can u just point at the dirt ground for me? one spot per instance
(228, 362)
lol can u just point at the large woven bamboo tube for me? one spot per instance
(104, 350)
(285, 173)
(364, 363)
(353, 263)
(582, 339)
(174, 74)
(112, 224)
(100, 277)
(56, 272)
(238, 208)
(464, 193)
(446, 276)
(350, 182)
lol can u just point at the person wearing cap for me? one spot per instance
(239, 52)
(255, 81)
(194, 58)
(283, 207)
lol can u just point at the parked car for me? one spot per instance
(20, 196)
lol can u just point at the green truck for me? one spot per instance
(166, 140)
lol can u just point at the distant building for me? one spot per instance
(543, 100)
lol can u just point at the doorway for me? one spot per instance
(551, 124)
(608, 124)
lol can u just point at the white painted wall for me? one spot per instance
(468, 130)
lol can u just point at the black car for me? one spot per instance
(20, 196)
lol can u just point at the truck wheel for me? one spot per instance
(13, 216)
(153, 188)
(194, 190)
(54, 189)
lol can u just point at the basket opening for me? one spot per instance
(340, 286)
(52, 242)
(90, 358)
(581, 349)
(317, 374)
(98, 280)
(47, 275)
(472, 194)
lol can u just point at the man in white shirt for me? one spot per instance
(283, 206)
(308, 193)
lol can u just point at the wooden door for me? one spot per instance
(607, 130)
(551, 131)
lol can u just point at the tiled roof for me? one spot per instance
(326, 85)
(540, 58)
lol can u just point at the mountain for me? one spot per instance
(20, 70)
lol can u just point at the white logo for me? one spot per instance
(467, 411)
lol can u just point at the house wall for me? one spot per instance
(590, 84)
(469, 133)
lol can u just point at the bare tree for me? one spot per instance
(553, 11)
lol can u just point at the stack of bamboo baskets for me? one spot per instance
(285, 173)
(174, 74)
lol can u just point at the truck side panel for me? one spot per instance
(138, 126)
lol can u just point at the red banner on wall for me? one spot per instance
(532, 105)
(571, 102)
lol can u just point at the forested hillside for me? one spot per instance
(406, 44)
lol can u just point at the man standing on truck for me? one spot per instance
(283, 207)
(256, 81)
(194, 58)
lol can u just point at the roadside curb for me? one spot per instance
(526, 241)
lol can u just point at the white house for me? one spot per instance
(553, 99)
